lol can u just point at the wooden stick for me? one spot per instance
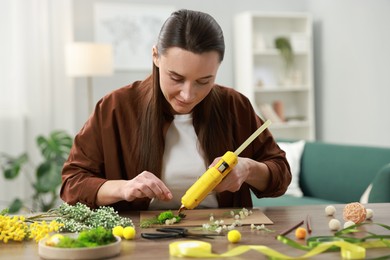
(308, 224)
(291, 229)
(252, 137)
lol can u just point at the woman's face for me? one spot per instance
(186, 78)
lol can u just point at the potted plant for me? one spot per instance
(55, 150)
(284, 47)
(292, 75)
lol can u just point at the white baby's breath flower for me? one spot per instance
(218, 230)
(238, 222)
(218, 225)
(260, 227)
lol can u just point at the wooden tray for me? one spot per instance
(198, 217)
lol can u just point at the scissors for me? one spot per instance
(176, 232)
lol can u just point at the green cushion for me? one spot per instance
(380, 191)
(340, 172)
(288, 200)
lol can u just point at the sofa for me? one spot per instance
(328, 173)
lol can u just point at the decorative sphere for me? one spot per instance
(370, 213)
(355, 212)
(330, 210)
(348, 224)
(334, 224)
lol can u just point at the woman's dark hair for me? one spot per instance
(196, 32)
(193, 31)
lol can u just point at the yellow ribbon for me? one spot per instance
(200, 249)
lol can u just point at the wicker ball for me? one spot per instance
(355, 212)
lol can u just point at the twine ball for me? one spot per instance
(354, 212)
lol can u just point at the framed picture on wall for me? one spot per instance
(132, 29)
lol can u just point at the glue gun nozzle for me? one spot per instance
(181, 209)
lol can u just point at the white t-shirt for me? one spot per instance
(182, 164)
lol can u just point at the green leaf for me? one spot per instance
(4, 212)
(56, 146)
(12, 169)
(48, 177)
(11, 173)
(55, 149)
(15, 206)
(285, 49)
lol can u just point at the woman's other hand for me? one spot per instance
(145, 184)
(247, 170)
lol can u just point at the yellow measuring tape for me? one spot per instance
(200, 249)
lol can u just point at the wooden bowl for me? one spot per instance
(51, 252)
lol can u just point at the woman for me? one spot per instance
(148, 142)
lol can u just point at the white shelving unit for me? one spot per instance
(261, 74)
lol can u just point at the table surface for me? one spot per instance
(283, 218)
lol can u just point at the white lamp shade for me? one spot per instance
(84, 59)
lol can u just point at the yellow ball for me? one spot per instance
(129, 232)
(234, 236)
(54, 239)
(118, 231)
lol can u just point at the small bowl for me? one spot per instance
(51, 252)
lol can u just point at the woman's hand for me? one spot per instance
(247, 170)
(145, 184)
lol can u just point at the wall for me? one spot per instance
(35, 95)
(83, 31)
(350, 56)
(352, 64)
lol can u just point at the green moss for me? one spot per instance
(89, 238)
(161, 218)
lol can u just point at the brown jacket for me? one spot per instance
(104, 150)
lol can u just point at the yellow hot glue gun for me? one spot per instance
(214, 175)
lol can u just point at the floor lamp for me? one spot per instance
(85, 59)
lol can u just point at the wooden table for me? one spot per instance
(283, 218)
